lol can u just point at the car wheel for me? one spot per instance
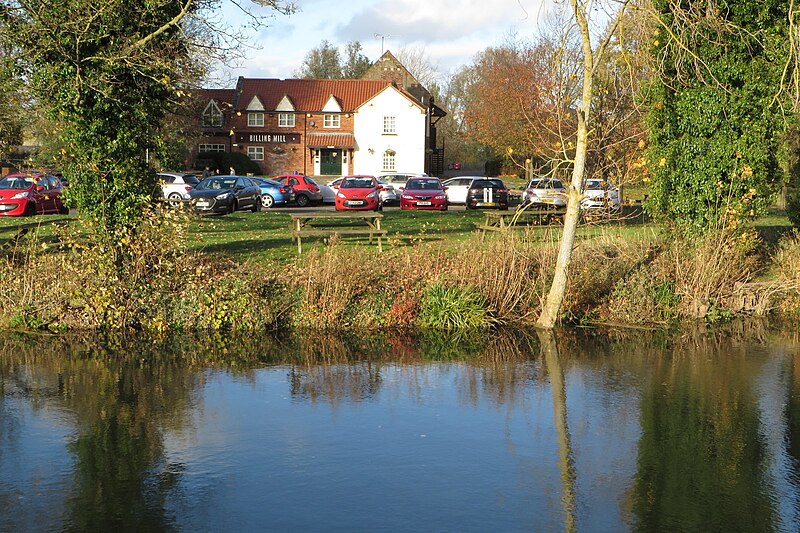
(30, 209)
(267, 201)
(234, 207)
(256, 204)
(302, 200)
(174, 199)
(379, 207)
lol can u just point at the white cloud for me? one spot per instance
(450, 31)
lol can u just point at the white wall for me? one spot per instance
(408, 143)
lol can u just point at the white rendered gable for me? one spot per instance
(255, 105)
(332, 106)
(285, 104)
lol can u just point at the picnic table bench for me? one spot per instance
(502, 221)
(329, 223)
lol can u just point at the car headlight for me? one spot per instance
(407, 197)
(440, 197)
(224, 196)
(19, 195)
(340, 195)
(371, 195)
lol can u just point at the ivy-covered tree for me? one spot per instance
(715, 115)
(108, 71)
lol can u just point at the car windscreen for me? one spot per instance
(594, 184)
(423, 185)
(190, 180)
(16, 182)
(486, 184)
(357, 183)
(216, 183)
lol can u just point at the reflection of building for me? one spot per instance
(382, 123)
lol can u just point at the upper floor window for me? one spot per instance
(255, 120)
(389, 124)
(212, 116)
(286, 120)
(332, 121)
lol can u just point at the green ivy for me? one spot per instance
(714, 119)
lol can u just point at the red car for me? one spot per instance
(423, 193)
(359, 192)
(31, 194)
(306, 190)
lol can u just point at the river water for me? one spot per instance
(579, 431)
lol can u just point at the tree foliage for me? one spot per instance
(108, 71)
(325, 62)
(715, 118)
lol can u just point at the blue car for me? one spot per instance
(274, 193)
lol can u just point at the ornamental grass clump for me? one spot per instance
(452, 307)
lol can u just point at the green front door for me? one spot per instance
(330, 162)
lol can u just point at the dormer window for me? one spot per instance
(212, 116)
(331, 121)
(255, 120)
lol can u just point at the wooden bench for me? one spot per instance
(330, 223)
(504, 221)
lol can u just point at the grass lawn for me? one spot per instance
(265, 237)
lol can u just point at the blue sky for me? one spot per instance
(450, 31)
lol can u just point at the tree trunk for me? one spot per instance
(555, 297)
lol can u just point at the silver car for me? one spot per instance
(545, 192)
(599, 194)
(175, 186)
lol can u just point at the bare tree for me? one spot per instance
(581, 10)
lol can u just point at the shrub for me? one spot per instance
(793, 209)
(453, 308)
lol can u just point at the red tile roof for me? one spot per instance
(309, 95)
(220, 95)
(336, 140)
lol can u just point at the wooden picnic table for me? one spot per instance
(328, 223)
(504, 220)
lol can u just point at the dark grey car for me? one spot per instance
(225, 194)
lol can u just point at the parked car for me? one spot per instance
(306, 190)
(359, 192)
(487, 192)
(396, 180)
(273, 193)
(31, 194)
(543, 192)
(175, 186)
(457, 188)
(423, 193)
(387, 194)
(599, 194)
(225, 194)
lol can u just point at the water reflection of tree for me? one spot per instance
(120, 403)
(700, 461)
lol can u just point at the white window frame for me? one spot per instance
(286, 120)
(389, 125)
(331, 120)
(255, 153)
(389, 161)
(211, 116)
(209, 148)
(255, 120)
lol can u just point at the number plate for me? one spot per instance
(424, 203)
(202, 203)
(354, 202)
(485, 204)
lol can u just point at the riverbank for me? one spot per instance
(242, 272)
